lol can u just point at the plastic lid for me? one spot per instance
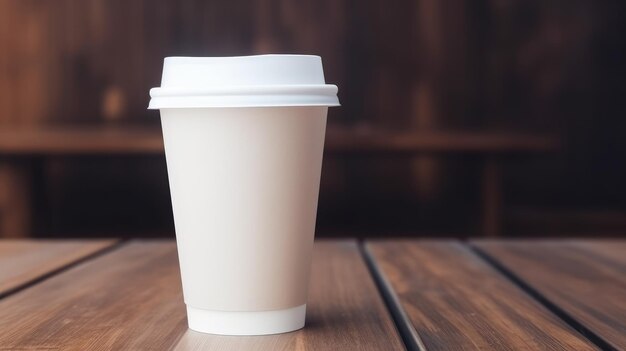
(244, 81)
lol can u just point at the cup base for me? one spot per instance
(246, 323)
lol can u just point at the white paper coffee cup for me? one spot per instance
(244, 138)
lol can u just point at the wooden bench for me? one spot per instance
(21, 147)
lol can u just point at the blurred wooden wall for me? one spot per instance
(537, 66)
(424, 64)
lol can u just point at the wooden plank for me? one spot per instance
(373, 140)
(586, 281)
(130, 299)
(23, 261)
(449, 298)
(80, 140)
(15, 198)
(65, 140)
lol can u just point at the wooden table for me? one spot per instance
(21, 148)
(377, 295)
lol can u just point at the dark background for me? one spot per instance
(551, 68)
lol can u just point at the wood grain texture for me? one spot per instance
(455, 300)
(344, 311)
(128, 299)
(584, 279)
(22, 261)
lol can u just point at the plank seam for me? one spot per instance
(405, 328)
(544, 301)
(62, 269)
